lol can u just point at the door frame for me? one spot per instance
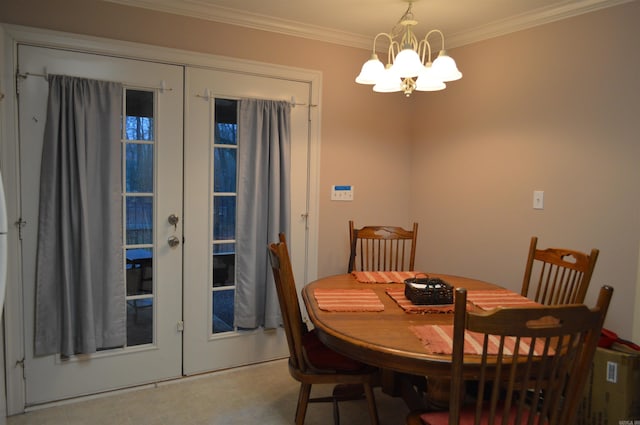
(10, 36)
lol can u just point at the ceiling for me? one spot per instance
(355, 22)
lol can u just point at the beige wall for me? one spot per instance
(552, 108)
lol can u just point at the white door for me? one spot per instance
(156, 347)
(210, 341)
(153, 102)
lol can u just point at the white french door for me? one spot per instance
(171, 287)
(209, 343)
(156, 355)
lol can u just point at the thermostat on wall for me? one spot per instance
(342, 193)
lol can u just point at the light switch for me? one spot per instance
(538, 199)
(342, 193)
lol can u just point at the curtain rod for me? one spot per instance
(45, 75)
(207, 95)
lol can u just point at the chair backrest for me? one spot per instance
(534, 361)
(288, 298)
(382, 248)
(563, 275)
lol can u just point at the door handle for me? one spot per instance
(173, 220)
(173, 241)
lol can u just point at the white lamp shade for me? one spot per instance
(407, 64)
(428, 80)
(390, 82)
(445, 67)
(371, 72)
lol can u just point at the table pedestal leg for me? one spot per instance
(410, 388)
(438, 390)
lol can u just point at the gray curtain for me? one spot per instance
(80, 304)
(264, 157)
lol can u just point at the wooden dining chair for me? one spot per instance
(562, 275)
(382, 248)
(310, 361)
(531, 363)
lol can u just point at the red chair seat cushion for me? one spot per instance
(322, 357)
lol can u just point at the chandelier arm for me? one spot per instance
(409, 38)
(375, 40)
(391, 42)
(394, 49)
(436, 31)
(423, 48)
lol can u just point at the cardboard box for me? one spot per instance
(612, 391)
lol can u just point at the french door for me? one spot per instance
(156, 353)
(173, 288)
(211, 341)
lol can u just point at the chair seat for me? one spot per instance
(322, 357)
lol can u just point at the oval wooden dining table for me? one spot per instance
(384, 338)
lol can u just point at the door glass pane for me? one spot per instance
(139, 170)
(139, 220)
(226, 113)
(139, 118)
(139, 321)
(224, 166)
(224, 213)
(138, 192)
(224, 264)
(139, 271)
(222, 311)
(224, 158)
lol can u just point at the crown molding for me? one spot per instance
(201, 9)
(529, 20)
(206, 11)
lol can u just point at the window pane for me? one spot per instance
(222, 320)
(139, 271)
(224, 167)
(139, 220)
(139, 117)
(139, 321)
(224, 217)
(224, 263)
(139, 168)
(226, 114)
(225, 134)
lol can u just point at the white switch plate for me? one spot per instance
(342, 192)
(538, 199)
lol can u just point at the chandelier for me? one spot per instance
(409, 65)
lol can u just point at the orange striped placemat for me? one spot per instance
(438, 339)
(397, 294)
(490, 299)
(383, 277)
(348, 299)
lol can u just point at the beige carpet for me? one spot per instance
(259, 394)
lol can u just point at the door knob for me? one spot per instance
(173, 220)
(173, 241)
